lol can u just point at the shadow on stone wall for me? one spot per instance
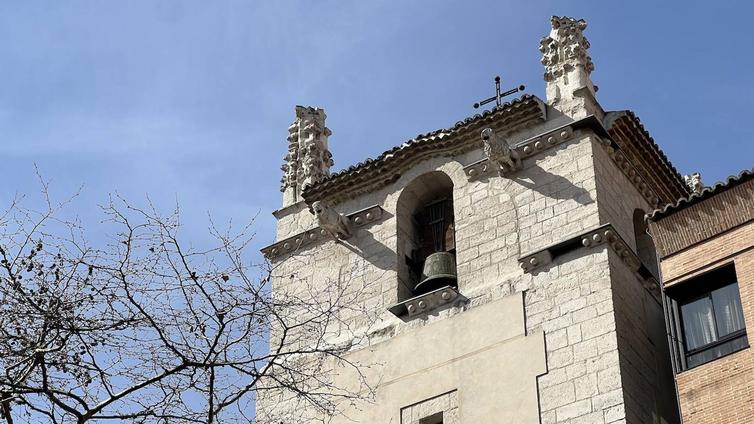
(551, 185)
(366, 246)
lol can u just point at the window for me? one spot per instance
(709, 317)
(432, 419)
(645, 247)
(439, 409)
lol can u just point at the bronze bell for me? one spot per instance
(439, 271)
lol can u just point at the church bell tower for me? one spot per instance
(502, 265)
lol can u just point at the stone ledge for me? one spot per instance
(526, 148)
(604, 234)
(551, 138)
(427, 303)
(290, 209)
(360, 218)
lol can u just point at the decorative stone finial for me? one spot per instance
(308, 160)
(694, 182)
(568, 67)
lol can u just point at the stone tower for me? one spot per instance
(555, 315)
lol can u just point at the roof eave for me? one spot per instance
(372, 174)
(707, 192)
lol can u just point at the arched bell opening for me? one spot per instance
(645, 246)
(426, 236)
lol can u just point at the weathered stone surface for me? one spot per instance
(568, 67)
(308, 159)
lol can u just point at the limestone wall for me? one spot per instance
(497, 220)
(568, 310)
(571, 304)
(642, 343)
(481, 356)
(617, 197)
(644, 357)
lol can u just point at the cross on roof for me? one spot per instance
(498, 95)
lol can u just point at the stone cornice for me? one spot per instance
(527, 148)
(427, 303)
(551, 138)
(602, 235)
(294, 243)
(625, 139)
(290, 209)
(373, 174)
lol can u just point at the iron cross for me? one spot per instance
(498, 95)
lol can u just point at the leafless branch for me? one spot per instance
(147, 328)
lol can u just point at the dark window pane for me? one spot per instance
(739, 343)
(701, 357)
(728, 313)
(698, 323)
(433, 419)
(710, 316)
(717, 351)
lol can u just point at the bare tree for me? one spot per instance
(145, 328)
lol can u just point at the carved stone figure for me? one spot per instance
(335, 224)
(694, 182)
(308, 160)
(499, 152)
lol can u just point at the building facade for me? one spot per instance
(504, 261)
(706, 248)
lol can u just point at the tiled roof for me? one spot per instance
(622, 126)
(626, 129)
(387, 166)
(707, 192)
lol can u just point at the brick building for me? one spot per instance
(706, 247)
(504, 261)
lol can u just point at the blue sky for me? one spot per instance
(191, 100)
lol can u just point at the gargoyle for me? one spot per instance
(331, 221)
(499, 152)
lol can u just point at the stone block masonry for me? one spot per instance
(574, 337)
(572, 302)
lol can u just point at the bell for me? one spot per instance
(439, 271)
